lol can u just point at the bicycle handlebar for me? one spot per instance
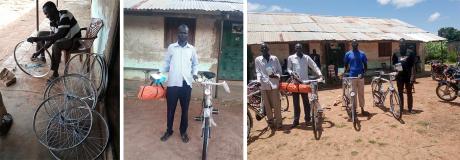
(222, 84)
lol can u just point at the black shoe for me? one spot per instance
(184, 138)
(295, 124)
(411, 112)
(364, 113)
(166, 136)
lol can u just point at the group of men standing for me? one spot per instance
(268, 71)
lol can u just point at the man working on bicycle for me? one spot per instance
(298, 64)
(268, 71)
(406, 60)
(181, 61)
(64, 35)
(355, 62)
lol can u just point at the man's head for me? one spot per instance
(402, 46)
(264, 48)
(50, 10)
(354, 44)
(182, 35)
(314, 51)
(298, 48)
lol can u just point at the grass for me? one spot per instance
(281, 145)
(341, 125)
(393, 126)
(381, 144)
(354, 153)
(424, 123)
(421, 131)
(358, 140)
(372, 141)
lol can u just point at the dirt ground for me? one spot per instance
(432, 133)
(145, 123)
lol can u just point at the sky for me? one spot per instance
(429, 15)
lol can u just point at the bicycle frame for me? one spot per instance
(390, 88)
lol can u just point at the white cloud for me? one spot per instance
(433, 17)
(400, 3)
(256, 7)
(383, 2)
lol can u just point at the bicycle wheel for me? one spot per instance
(22, 54)
(446, 92)
(62, 122)
(92, 147)
(354, 115)
(74, 85)
(376, 86)
(284, 101)
(249, 123)
(316, 121)
(90, 67)
(395, 105)
(206, 133)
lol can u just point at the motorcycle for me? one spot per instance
(437, 69)
(448, 89)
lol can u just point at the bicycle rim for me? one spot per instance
(92, 147)
(22, 54)
(91, 67)
(73, 85)
(206, 131)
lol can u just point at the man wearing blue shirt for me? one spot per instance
(356, 63)
(181, 63)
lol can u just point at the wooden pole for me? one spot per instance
(37, 12)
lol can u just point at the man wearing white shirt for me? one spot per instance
(181, 62)
(298, 64)
(268, 71)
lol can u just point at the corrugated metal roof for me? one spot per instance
(285, 27)
(198, 5)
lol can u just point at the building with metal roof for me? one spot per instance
(330, 37)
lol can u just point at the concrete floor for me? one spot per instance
(23, 98)
(145, 123)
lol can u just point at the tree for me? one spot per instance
(450, 33)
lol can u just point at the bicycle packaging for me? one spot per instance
(153, 92)
(295, 88)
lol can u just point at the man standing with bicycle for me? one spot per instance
(181, 63)
(268, 71)
(356, 65)
(64, 35)
(298, 64)
(405, 61)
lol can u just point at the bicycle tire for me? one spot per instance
(376, 95)
(23, 61)
(395, 110)
(249, 123)
(285, 97)
(441, 95)
(353, 113)
(206, 131)
(316, 121)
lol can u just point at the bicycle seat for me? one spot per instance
(208, 74)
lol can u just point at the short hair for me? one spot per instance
(50, 4)
(182, 26)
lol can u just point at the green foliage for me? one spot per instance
(436, 51)
(450, 33)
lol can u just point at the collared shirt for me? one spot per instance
(264, 68)
(66, 20)
(356, 60)
(181, 63)
(300, 66)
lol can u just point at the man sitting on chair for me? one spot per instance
(64, 35)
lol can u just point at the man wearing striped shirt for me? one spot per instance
(64, 35)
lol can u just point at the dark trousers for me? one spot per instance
(408, 86)
(58, 46)
(173, 94)
(306, 106)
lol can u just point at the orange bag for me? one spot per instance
(151, 92)
(295, 88)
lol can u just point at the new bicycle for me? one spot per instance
(349, 100)
(379, 93)
(207, 82)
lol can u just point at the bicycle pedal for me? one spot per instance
(199, 118)
(215, 111)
